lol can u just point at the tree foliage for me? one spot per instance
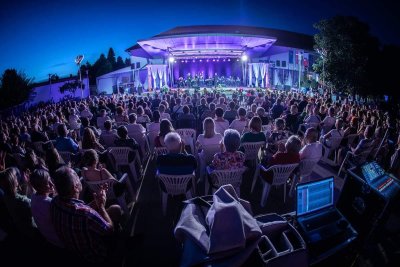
(348, 54)
(104, 65)
(15, 88)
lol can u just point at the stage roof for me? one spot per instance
(218, 40)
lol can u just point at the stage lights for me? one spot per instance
(244, 57)
(171, 59)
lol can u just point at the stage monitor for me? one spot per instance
(315, 196)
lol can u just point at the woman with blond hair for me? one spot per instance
(209, 136)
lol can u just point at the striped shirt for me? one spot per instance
(81, 228)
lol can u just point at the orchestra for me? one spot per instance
(199, 80)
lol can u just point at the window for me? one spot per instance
(283, 63)
(137, 65)
(278, 63)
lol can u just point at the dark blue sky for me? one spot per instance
(44, 36)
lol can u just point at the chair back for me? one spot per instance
(151, 136)
(176, 184)
(188, 136)
(335, 142)
(281, 172)
(120, 155)
(160, 150)
(306, 166)
(251, 149)
(141, 140)
(231, 176)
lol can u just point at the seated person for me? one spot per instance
(63, 142)
(312, 149)
(336, 133)
(288, 153)
(177, 161)
(40, 205)
(124, 140)
(102, 118)
(163, 114)
(329, 121)
(231, 158)
(89, 141)
(278, 134)
(263, 116)
(73, 120)
(142, 118)
(241, 123)
(134, 128)
(120, 117)
(155, 125)
(165, 128)
(209, 136)
(18, 206)
(292, 119)
(255, 134)
(96, 223)
(220, 123)
(85, 123)
(185, 119)
(231, 113)
(108, 135)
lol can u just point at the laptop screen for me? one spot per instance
(314, 196)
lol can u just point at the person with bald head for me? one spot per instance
(177, 161)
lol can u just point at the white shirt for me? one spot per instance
(215, 140)
(165, 116)
(134, 129)
(329, 121)
(87, 114)
(153, 127)
(40, 207)
(221, 126)
(238, 125)
(311, 151)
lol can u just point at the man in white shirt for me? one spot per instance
(134, 128)
(313, 148)
(163, 114)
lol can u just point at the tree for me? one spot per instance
(102, 66)
(15, 88)
(348, 52)
(111, 57)
(127, 61)
(120, 63)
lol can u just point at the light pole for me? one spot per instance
(300, 57)
(78, 61)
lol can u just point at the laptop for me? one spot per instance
(315, 210)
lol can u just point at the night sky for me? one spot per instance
(42, 37)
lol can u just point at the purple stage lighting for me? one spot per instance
(214, 59)
(229, 59)
(194, 60)
(207, 60)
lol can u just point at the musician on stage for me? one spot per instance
(215, 80)
(189, 80)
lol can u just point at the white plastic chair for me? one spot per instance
(251, 150)
(160, 151)
(306, 168)
(334, 146)
(151, 136)
(120, 155)
(141, 139)
(223, 177)
(281, 174)
(205, 158)
(174, 185)
(188, 136)
(95, 186)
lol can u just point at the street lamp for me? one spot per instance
(78, 61)
(322, 53)
(300, 55)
